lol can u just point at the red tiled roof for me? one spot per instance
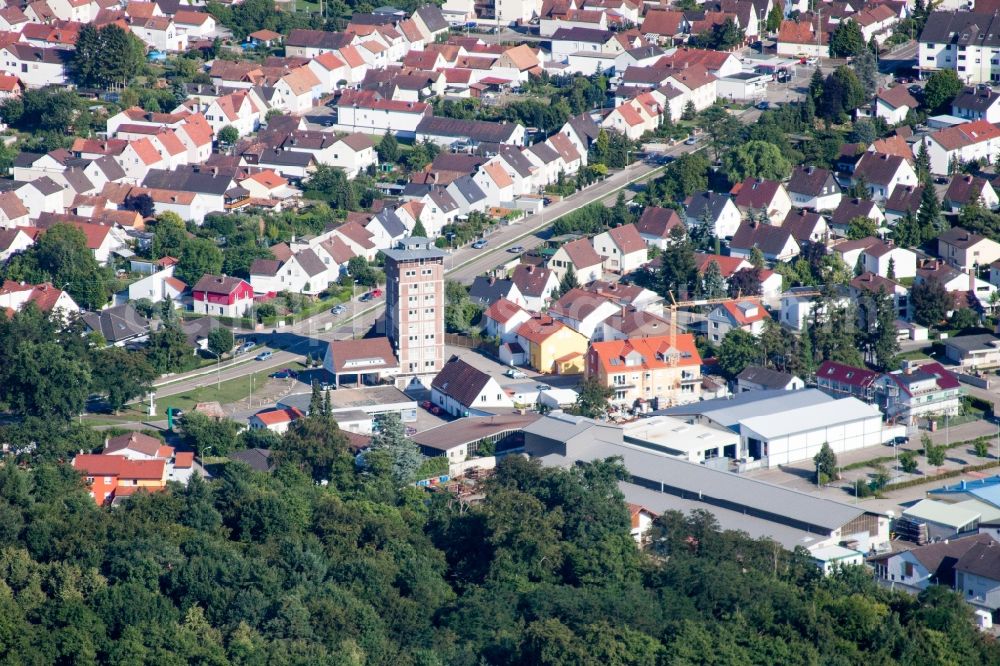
(503, 310)
(654, 352)
(99, 465)
(276, 416)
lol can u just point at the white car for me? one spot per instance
(514, 373)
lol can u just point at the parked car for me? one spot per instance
(517, 249)
(915, 90)
(514, 373)
(376, 293)
(263, 356)
(430, 407)
(691, 140)
(366, 297)
(479, 244)
(763, 105)
(287, 373)
(338, 309)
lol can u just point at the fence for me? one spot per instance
(472, 342)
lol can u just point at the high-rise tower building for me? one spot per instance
(414, 305)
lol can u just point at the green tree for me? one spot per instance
(592, 399)
(826, 464)
(908, 462)
(929, 218)
(61, 256)
(418, 230)
(168, 350)
(169, 236)
(923, 164)
(106, 56)
(568, 281)
(774, 19)
(931, 302)
(861, 227)
(756, 159)
(942, 87)
(388, 148)
(220, 341)
(678, 270)
(847, 40)
(393, 451)
(713, 284)
(199, 256)
(738, 350)
(935, 453)
(121, 376)
(757, 259)
(207, 434)
(228, 136)
(981, 447)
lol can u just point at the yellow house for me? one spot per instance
(552, 346)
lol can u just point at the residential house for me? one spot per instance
(630, 322)
(579, 255)
(486, 291)
(304, 272)
(551, 346)
(117, 325)
(584, 311)
(756, 378)
(371, 358)
(973, 352)
(885, 257)
(904, 200)
(47, 298)
(502, 318)
(814, 188)
(354, 154)
(462, 390)
(495, 183)
(767, 197)
(977, 103)
(472, 134)
(655, 225)
(881, 174)
(916, 569)
(622, 248)
(869, 284)
(159, 33)
(798, 306)
(36, 66)
(275, 420)
(717, 210)
(801, 38)
(919, 392)
(157, 287)
(664, 26)
(965, 287)
(311, 43)
(223, 296)
(965, 189)
(366, 111)
(848, 209)
(974, 140)
(746, 314)
(839, 379)
(135, 445)
(977, 576)
(13, 241)
(893, 104)
(469, 197)
(664, 370)
(967, 250)
(775, 243)
(112, 477)
(535, 284)
(961, 41)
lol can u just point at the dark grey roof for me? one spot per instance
(962, 28)
(286, 158)
(975, 98)
(713, 202)
(476, 130)
(77, 180)
(258, 459)
(391, 223)
(118, 323)
(983, 560)
(544, 152)
(769, 379)
(969, 343)
(485, 291)
(589, 35)
(46, 185)
(516, 159)
(267, 267)
(28, 53)
(443, 200)
(905, 199)
(111, 169)
(416, 190)
(432, 17)
(460, 381)
(318, 39)
(25, 159)
(310, 262)
(848, 209)
(190, 179)
(585, 127)
(812, 181)
(642, 52)
(468, 189)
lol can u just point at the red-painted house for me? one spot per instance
(222, 295)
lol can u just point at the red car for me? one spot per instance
(377, 293)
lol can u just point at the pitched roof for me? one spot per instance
(218, 284)
(940, 558)
(983, 560)
(769, 379)
(488, 290)
(713, 202)
(756, 193)
(727, 265)
(967, 134)
(276, 416)
(460, 381)
(905, 199)
(478, 130)
(650, 353)
(539, 328)
(136, 441)
(745, 312)
(662, 22)
(582, 254)
(812, 181)
(627, 238)
(965, 189)
(367, 355)
(848, 209)
(960, 237)
(802, 224)
(878, 168)
(121, 467)
(845, 374)
(531, 280)
(897, 97)
(121, 322)
(770, 240)
(658, 222)
(503, 310)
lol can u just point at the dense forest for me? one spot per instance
(251, 568)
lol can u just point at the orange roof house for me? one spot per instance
(647, 369)
(108, 477)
